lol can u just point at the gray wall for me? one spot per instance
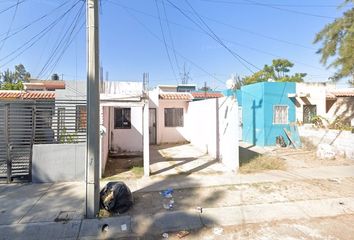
(58, 162)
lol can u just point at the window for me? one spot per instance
(173, 117)
(122, 118)
(309, 112)
(81, 118)
(280, 114)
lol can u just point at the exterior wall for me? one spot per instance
(201, 121)
(170, 134)
(130, 140)
(277, 94)
(253, 114)
(342, 107)
(317, 96)
(258, 101)
(342, 141)
(228, 133)
(74, 90)
(58, 162)
(104, 138)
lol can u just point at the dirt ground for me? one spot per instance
(235, 195)
(329, 228)
(304, 158)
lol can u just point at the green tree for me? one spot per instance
(278, 72)
(10, 80)
(337, 40)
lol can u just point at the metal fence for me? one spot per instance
(61, 122)
(24, 123)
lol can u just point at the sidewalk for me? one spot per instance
(55, 211)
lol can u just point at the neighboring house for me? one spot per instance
(340, 103)
(310, 100)
(323, 99)
(168, 110)
(43, 85)
(266, 111)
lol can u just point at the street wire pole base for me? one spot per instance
(93, 104)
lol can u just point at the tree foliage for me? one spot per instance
(13, 80)
(278, 71)
(337, 40)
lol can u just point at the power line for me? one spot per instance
(221, 23)
(289, 10)
(272, 4)
(216, 38)
(12, 6)
(33, 22)
(159, 39)
(10, 26)
(229, 41)
(164, 41)
(170, 34)
(28, 44)
(66, 37)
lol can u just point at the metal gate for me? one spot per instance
(16, 139)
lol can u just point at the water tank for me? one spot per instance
(55, 76)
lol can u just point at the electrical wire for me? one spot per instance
(63, 41)
(289, 10)
(164, 41)
(10, 26)
(35, 39)
(217, 39)
(272, 4)
(170, 34)
(33, 22)
(12, 6)
(178, 53)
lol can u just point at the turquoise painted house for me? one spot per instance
(266, 111)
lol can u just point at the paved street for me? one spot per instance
(55, 211)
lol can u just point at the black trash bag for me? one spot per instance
(116, 197)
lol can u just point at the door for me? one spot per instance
(152, 125)
(309, 112)
(16, 140)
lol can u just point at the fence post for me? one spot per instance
(7, 143)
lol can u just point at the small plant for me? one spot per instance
(340, 124)
(66, 137)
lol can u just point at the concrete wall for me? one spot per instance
(343, 141)
(201, 121)
(317, 96)
(258, 101)
(130, 140)
(104, 138)
(58, 162)
(213, 127)
(228, 133)
(170, 134)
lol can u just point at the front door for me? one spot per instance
(152, 125)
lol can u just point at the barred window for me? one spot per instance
(173, 117)
(81, 118)
(122, 118)
(280, 114)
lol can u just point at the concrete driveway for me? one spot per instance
(48, 202)
(172, 159)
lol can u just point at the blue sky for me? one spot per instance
(131, 40)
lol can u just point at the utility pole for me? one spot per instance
(92, 130)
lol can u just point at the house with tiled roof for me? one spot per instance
(169, 109)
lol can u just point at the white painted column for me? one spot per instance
(228, 117)
(146, 143)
